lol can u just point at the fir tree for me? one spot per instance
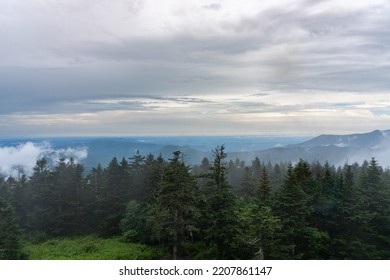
(292, 208)
(9, 232)
(172, 213)
(263, 191)
(220, 207)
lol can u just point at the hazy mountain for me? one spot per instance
(370, 140)
(20, 155)
(336, 149)
(194, 148)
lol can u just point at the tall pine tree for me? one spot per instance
(172, 213)
(220, 215)
(9, 232)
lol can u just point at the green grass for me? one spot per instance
(91, 248)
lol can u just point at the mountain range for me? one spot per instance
(334, 149)
(21, 154)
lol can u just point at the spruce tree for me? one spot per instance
(138, 173)
(41, 220)
(351, 222)
(172, 213)
(291, 207)
(263, 191)
(257, 226)
(111, 201)
(220, 216)
(378, 201)
(9, 232)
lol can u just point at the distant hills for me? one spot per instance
(194, 148)
(21, 154)
(335, 149)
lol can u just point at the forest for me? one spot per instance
(166, 209)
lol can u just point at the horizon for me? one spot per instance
(22, 153)
(152, 136)
(40, 137)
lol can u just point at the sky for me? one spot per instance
(181, 67)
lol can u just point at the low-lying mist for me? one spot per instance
(21, 159)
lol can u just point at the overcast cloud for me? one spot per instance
(127, 67)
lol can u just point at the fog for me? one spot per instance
(21, 159)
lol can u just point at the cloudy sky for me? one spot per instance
(200, 67)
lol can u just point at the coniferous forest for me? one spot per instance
(155, 208)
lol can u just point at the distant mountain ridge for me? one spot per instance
(367, 140)
(16, 154)
(335, 149)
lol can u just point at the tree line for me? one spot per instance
(214, 210)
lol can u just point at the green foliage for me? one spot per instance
(9, 232)
(199, 250)
(219, 215)
(217, 210)
(293, 210)
(263, 191)
(131, 223)
(91, 248)
(256, 230)
(111, 201)
(317, 243)
(172, 213)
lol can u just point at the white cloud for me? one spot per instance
(21, 159)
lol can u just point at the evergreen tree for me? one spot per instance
(112, 202)
(299, 211)
(95, 197)
(155, 177)
(172, 214)
(263, 191)
(9, 232)
(131, 224)
(256, 228)
(248, 184)
(21, 201)
(321, 197)
(125, 189)
(292, 208)
(220, 216)
(138, 173)
(67, 195)
(205, 166)
(276, 175)
(256, 168)
(95, 180)
(41, 220)
(378, 200)
(351, 222)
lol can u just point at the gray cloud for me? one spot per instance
(213, 6)
(64, 57)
